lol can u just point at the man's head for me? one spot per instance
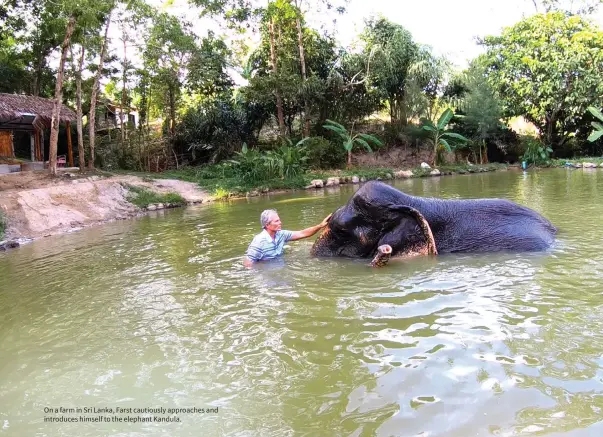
(270, 220)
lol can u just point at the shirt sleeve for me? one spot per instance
(254, 251)
(286, 235)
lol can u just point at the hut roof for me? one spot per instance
(17, 106)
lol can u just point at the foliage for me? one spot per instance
(349, 140)
(216, 129)
(536, 152)
(439, 137)
(572, 7)
(426, 78)
(286, 162)
(481, 109)
(390, 52)
(548, 68)
(598, 132)
(323, 153)
(2, 225)
(143, 197)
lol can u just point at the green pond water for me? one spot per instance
(159, 312)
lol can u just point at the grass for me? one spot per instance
(222, 186)
(2, 225)
(143, 197)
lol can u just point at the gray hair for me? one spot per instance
(265, 217)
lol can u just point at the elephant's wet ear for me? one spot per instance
(424, 225)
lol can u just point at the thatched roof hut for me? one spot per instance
(19, 112)
(30, 114)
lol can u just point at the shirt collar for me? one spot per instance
(267, 236)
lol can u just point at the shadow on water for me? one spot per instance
(159, 311)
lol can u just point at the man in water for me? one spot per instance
(269, 243)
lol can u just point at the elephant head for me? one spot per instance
(374, 223)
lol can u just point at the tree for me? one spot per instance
(547, 68)
(439, 136)
(350, 140)
(482, 110)
(94, 94)
(58, 98)
(167, 54)
(569, 6)
(391, 52)
(78, 106)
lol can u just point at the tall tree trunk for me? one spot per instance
(123, 102)
(94, 95)
(302, 61)
(37, 77)
(279, 100)
(172, 111)
(78, 103)
(58, 99)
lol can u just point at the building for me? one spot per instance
(110, 116)
(31, 115)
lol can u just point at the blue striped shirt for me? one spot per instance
(264, 247)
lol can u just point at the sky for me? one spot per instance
(449, 27)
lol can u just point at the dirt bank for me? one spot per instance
(38, 205)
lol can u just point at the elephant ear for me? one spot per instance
(420, 220)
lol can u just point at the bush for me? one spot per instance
(287, 161)
(214, 130)
(2, 225)
(535, 151)
(142, 197)
(323, 154)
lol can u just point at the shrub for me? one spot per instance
(535, 151)
(214, 130)
(287, 161)
(324, 154)
(143, 197)
(2, 225)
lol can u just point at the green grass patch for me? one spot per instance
(222, 182)
(3, 224)
(143, 197)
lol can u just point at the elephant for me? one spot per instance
(381, 222)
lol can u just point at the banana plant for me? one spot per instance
(439, 136)
(598, 132)
(349, 139)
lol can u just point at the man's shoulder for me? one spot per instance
(284, 235)
(261, 237)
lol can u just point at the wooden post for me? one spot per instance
(32, 145)
(42, 145)
(69, 145)
(37, 140)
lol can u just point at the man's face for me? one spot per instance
(274, 224)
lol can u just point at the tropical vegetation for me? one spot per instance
(271, 98)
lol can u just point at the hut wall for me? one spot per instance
(6, 144)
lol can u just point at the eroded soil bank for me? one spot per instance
(36, 204)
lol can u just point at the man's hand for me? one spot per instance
(325, 222)
(298, 235)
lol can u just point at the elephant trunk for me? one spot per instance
(384, 253)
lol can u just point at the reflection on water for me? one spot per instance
(159, 311)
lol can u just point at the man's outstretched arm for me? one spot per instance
(308, 232)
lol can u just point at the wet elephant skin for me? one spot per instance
(380, 214)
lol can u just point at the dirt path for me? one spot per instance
(38, 205)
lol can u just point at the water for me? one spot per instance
(159, 312)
